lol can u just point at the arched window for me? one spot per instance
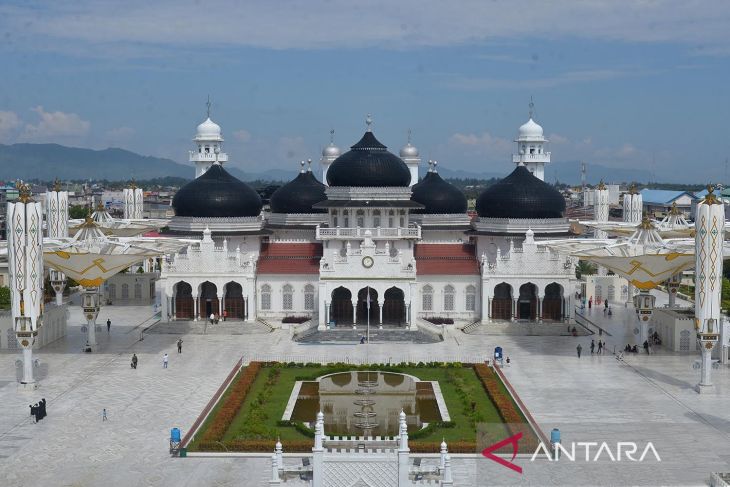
(138, 291)
(471, 298)
(427, 298)
(360, 218)
(287, 298)
(599, 291)
(112, 291)
(376, 218)
(449, 298)
(346, 217)
(391, 214)
(266, 297)
(309, 297)
(125, 291)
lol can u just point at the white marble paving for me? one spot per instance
(592, 398)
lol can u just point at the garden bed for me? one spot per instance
(248, 416)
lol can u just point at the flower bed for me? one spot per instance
(231, 405)
(508, 410)
(440, 321)
(296, 319)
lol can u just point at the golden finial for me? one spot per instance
(23, 191)
(632, 189)
(646, 223)
(56, 185)
(133, 184)
(601, 186)
(710, 198)
(100, 206)
(674, 211)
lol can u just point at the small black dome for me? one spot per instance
(521, 195)
(216, 194)
(298, 195)
(368, 163)
(438, 196)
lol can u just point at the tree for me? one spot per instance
(78, 212)
(585, 268)
(4, 297)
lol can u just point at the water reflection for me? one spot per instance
(366, 403)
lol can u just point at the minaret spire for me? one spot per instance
(207, 104)
(332, 136)
(369, 123)
(532, 106)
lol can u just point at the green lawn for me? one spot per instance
(258, 417)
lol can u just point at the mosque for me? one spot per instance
(369, 242)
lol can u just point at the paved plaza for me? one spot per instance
(594, 398)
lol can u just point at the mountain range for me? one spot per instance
(48, 161)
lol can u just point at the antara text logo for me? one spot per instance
(589, 451)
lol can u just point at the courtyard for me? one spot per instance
(594, 398)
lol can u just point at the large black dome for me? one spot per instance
(368, 163)
(216, 194)
(438, 196)
(298, 195)
(521, 195)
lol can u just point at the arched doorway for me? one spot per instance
(184, 306)
(394, 306)
(502, 302)
(341, 306)
(552, 303)
(208, 299)
(527, 302)
(362, 306)
(233, 301)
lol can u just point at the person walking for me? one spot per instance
(103, 414)
(108, 325)
(579, 349)
(179, 345)
(600, 347)
(590, 302)
(34, 412)
(164, 361)
(593, 347)
(134, 360)
(212, 318)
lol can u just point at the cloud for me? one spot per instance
(557, 139)
(55, 124)
(242, 135)
(9, 123)
(293, 148)
(325, 24)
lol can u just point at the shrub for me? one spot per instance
(295, 319)
(231, 405)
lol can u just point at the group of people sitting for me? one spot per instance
(629, 349)
(38, 411)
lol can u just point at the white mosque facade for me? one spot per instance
(372, 243)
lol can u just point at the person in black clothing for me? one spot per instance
(33, 412)
(134, 360)
(42, 408)
(108, 325)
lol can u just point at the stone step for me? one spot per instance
(203, 328)
(376, 335)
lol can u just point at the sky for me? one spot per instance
(629, 84)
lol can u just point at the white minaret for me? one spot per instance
(633, 206)
(25, 269)
(329, 154)
(57, 225)
(409, 154)
(133, 202)
(600, 207)
(209, 140)
(531, 147)
(709, 238)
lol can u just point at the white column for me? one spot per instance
(403, 451)
(195, 308)
(538, 318)
(709, 238)
(275, 480)
(380, 309)
(220, 306)
(354, 313)
(318, 451)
